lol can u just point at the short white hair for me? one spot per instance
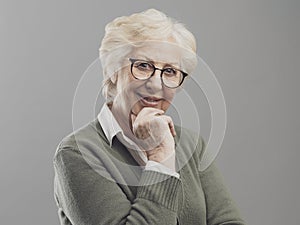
(123, 33)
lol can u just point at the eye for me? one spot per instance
(170, 71)
(144, 66)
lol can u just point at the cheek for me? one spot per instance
(168, 98)
(169, 94)
(130, 97)
(125, 85)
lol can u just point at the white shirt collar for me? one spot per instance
(108, 123)
(111, 129)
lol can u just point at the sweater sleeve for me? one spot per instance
(86, 198)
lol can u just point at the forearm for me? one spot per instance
(88, 198)
(155, 203)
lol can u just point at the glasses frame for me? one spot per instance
(184, 74)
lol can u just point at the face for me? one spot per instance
(133, 95)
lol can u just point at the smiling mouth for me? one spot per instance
(150, 101)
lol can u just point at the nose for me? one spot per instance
(154, 84)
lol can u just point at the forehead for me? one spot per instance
(161, 52)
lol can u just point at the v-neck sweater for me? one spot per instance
(96, 184)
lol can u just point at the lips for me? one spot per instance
(150, 101)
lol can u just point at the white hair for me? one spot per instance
(124, 33)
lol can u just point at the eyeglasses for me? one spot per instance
(144, 70)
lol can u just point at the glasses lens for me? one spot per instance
(142, 69)
(172, 77)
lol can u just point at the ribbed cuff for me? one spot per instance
(160, 188)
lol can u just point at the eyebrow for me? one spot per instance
(174, 64)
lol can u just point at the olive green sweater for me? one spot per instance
(97, 184)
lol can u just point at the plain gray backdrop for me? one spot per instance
(252, 47)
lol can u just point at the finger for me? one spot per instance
(150, 111)
(170, 123)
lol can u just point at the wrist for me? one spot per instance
(165, 158)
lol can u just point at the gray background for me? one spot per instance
(252, 46)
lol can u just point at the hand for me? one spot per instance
(155, 134)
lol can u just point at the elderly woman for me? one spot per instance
(132, 165)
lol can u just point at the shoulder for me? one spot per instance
(89, 132)
(81, 141)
